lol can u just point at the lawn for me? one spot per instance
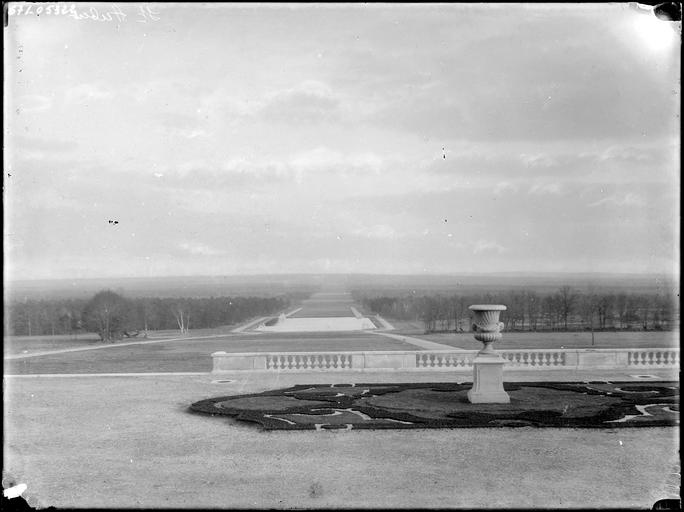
(557, 340)
(16, 345)
(193, 355)
(122, 442)
(13, 345)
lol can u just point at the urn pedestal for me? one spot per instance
(487, 365)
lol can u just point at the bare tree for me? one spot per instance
(532, 305)
(181, 312)
(566, 303)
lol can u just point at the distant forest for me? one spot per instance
(563, 310)
(114, 316)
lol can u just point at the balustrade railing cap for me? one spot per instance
(488, 307)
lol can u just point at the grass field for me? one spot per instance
(513, 340)
(193, 355)
(15, 345)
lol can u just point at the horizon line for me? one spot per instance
(348, 274)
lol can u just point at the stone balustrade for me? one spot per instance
(448, 360)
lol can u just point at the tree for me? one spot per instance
(181, 312)
(604, 307)
(532, 305)
(109, 315)
(566, 303)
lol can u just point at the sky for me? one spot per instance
(217, 139)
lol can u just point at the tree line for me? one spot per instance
(563, 310)
(113, 316)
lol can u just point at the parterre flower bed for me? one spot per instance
(445, 405)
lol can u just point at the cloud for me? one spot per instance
(484, 246)
(30, 103)
(538, 160)
(310, 101)
(199, 249)
(504, 186)
(194, 133)
(628, 199)
(546, 188)
(379, 231)
(83, 93)
(38, 148)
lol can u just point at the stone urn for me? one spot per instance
(487, 364)
(486, 326)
